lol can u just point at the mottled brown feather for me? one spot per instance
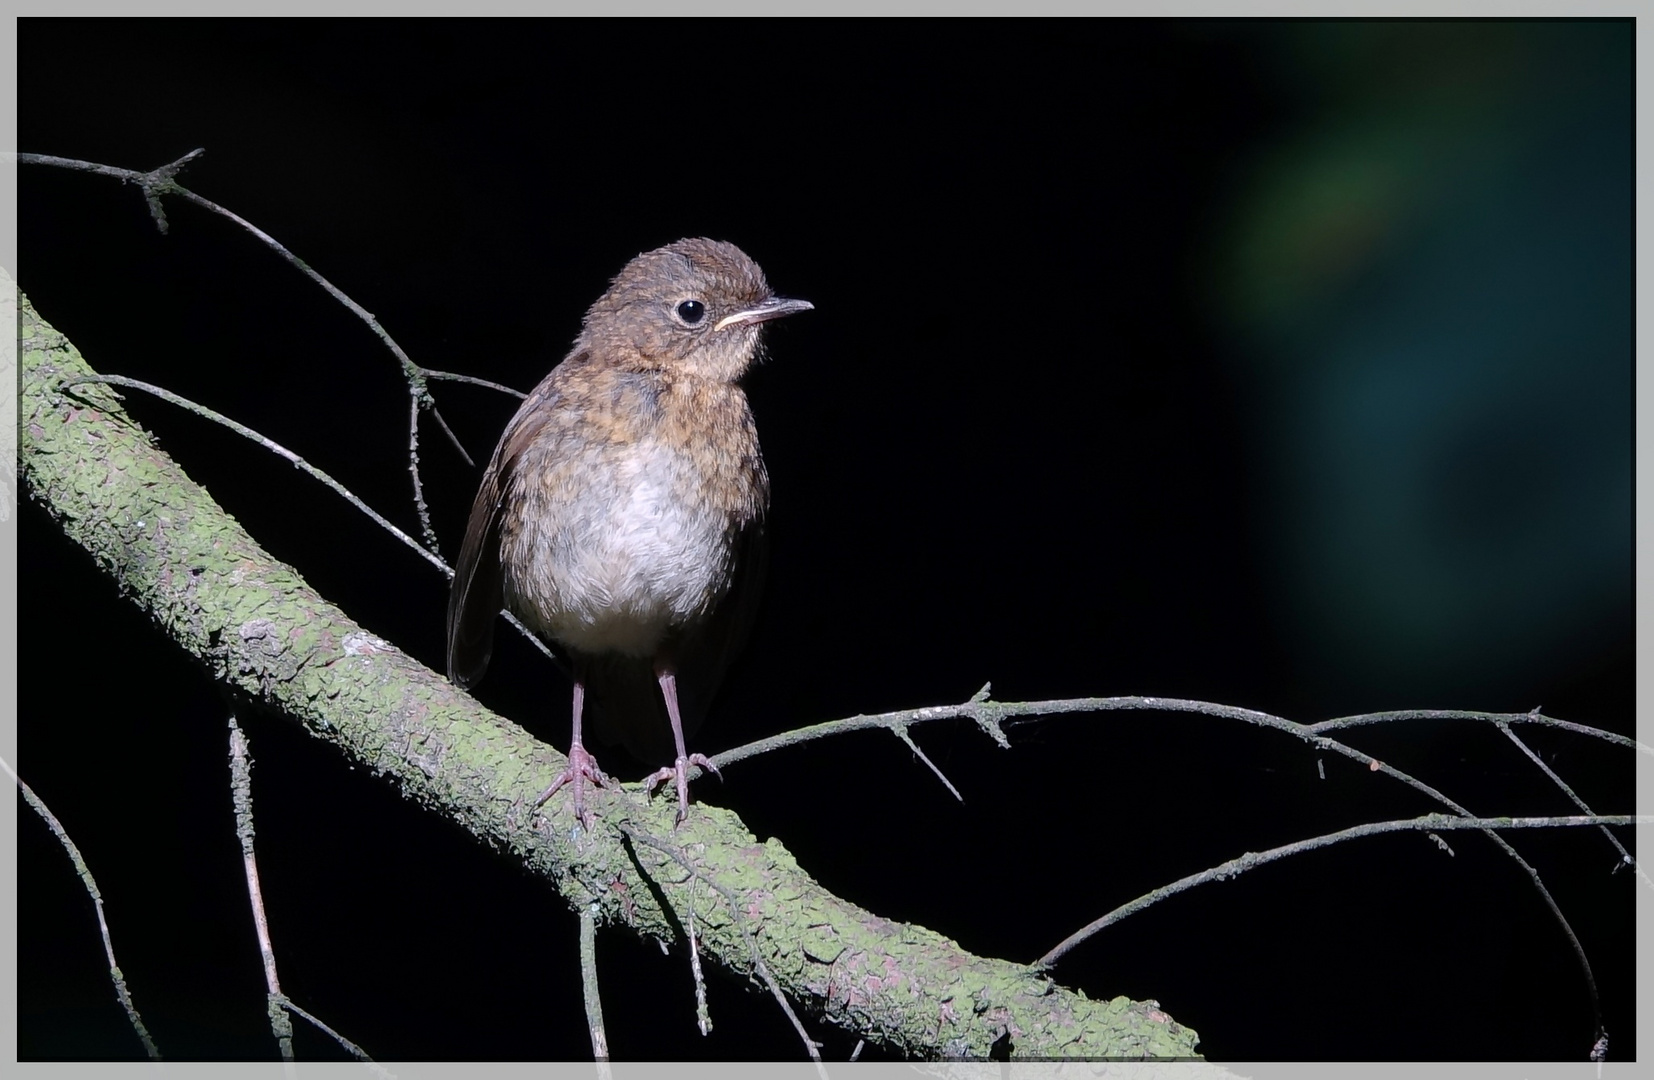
(621, 517)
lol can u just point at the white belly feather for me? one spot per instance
(627, 561)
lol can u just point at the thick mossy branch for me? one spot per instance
(259, 628)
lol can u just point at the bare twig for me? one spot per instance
(533, 638)
(901, 733)
(305, 467)
(274, 447)
(673, 853)
(1533, 717)
(153, 184)
(703, 1015)
(588, 986)
(241, 794)
(436, 414)
(349, 1047)
(991, 715)
(121, 993)
(414, 404)
(159, 182)
(1236, 867)
(1626, 858)
(474, 381)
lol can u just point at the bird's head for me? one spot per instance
(694, 307)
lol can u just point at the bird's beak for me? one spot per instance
(774, 308)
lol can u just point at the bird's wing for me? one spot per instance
(476, 595)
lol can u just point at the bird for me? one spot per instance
(621, 517)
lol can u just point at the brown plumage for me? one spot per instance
(622, 515)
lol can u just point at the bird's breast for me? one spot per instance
(614, 545)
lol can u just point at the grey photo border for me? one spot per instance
(1422, 1011)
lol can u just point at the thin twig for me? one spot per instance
(1626, 858)
(159, 182)
(418, 393)
(121, 993)
(241, 795)
(349, 1047)
(533, 638)
(1533, 717)
(890, 721)
(153, 184)
(671, 852)
(588, 986)
(275, 448)
(423, 511)
(436, 414)
(703, 1015)
(1236, 867)
(310, 470)
(474, 381)
(991, 715)
(901, 733)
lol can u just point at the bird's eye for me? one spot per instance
(691, 311)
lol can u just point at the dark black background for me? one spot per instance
(1033, 433)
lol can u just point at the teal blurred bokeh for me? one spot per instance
(1426, 279)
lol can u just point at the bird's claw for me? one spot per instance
(679, 770)
(582, 767)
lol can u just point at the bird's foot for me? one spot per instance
(680, 771)
(582, 767)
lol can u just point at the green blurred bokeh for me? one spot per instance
(1426, 281)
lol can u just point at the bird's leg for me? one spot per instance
(582, 766)
(680, 767)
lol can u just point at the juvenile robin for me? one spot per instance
(622, 515)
